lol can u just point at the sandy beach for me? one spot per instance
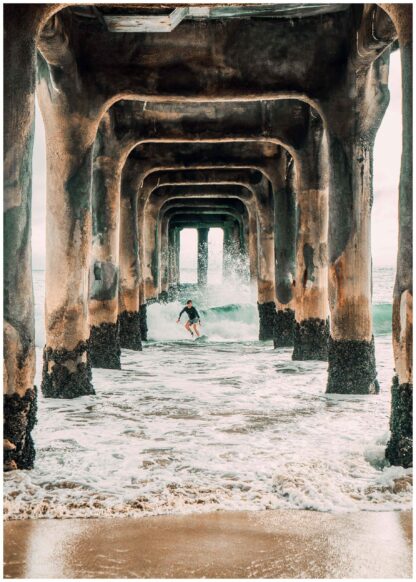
(264, 544)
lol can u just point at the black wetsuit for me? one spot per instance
(191, 312)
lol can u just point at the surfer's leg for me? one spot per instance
(196, 329)
(188, 327)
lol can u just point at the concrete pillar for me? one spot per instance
(151, 247)
(19, 401)
(227, 251)
(104, 274)
(265, 281)
(400, 447)
(164, 259)
(178, 254)
(203, 256)
(285, 213)
(352, 119)
(172, 267)
(312, 310)
(143, 321)
(234, 255)
(70, 133)
(129, 318)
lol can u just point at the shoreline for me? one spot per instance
(223, 544)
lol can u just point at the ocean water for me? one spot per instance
(227, 423)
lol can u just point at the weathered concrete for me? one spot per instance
(285, 221)
(104, 345)
(21, 28)
(352, 126)
(104, 273)
(203, 256)
(267, 314)
(353, 365)
(130, 330)
(129, 298)
(67, 373)
(400, 447)
(284, 328)
(143, 321)
(71, 129)
(312, 326)
(220, 62)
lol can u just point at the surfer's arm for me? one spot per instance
(180, 315)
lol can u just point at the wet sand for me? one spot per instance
(265, 544)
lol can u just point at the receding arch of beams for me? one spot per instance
(185, 217)
(233, 209)
(232, 206)
(219, 208)
(162, 195)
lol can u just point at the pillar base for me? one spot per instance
(143, 321)
(352, 367)
(19, 419)
(400, 446)
(284, 328)
(67, 373)
(311, 339)
(105, 346)
(267, 313)
(130, 336)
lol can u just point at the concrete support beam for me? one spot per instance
(285, 220)
(203, 256)
(266, 261)
(70, 129)
(351, 357)
(312, 323)
(19, 401)
(104, 274)
(234, 253)
(400, 447)
(130, 317)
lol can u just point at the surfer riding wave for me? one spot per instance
(194, 319)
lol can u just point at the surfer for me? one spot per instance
(194, 318)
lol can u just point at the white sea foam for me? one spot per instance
(227, 424)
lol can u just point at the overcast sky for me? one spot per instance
(386, 179)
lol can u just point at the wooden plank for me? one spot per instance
(145, 23)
